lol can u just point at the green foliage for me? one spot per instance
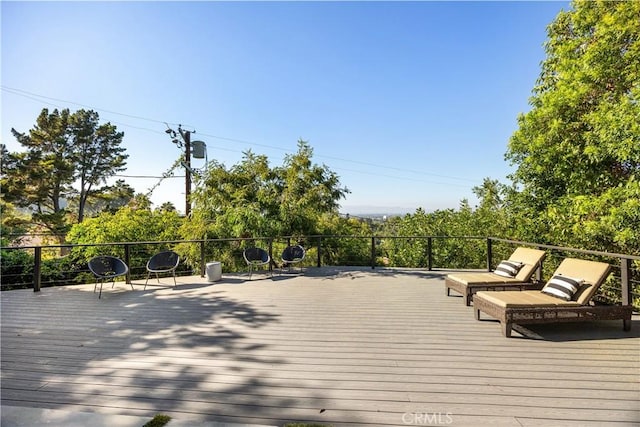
(62, 149)
(303, 192)
(96, 154)
(129, 224)
(489, 218)
(251, 199)
(110, 199)
(14, 225)
(355, 250)
(238, 202)
(159, 420)
(454, 253)
(577, 151)
(16, 267)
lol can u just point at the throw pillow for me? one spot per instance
(508, 268)
(563, 287)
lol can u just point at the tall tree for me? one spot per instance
(254, 199)
(305, 191)
(132, 223)
(62, 149)
(96, 152)
(239, 201)
(110, 198)
(577, 150)
(40, 177)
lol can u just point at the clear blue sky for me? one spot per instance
(411, 103)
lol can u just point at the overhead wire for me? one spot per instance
(28, 94)
(40, 98)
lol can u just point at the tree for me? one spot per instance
(305, 191)
(39, 178)
(110, 199)
(253, 199)
(14, 225)
(62, 149)
(577, 151)
(96, 153)
(128, 224)
(240, 201)
(168, 206)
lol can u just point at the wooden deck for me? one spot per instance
(333, 346)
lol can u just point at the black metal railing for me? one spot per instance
(54, 265)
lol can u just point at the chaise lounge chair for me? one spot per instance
(468, 284)
(556, 301)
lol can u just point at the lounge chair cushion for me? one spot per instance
(593, 273)
(529, 258)
(482, 278)
(563, 287)
(523, 299)
(508, 268)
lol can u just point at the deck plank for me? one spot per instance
(342, 347)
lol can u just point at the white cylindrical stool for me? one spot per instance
(214, 271)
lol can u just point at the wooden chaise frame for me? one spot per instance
(468, 284)
(531, 307)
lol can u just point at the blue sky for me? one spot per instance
(411, 103)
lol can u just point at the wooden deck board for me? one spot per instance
(342, 347)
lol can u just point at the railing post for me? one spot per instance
(202, 260)
(373, 252)
(319, 251)
(127, 260)
(489, 253)
(271, 254)
(625, 279)
(430, 253)
(37, 268)
(539, 271)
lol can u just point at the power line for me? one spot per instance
(401, 178)
(35, 97)
(30, 95)
(148, 176)
(339, 159)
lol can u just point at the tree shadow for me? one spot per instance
(188, 352)
(578, 331)
(339, 272)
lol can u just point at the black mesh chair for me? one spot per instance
(107, 268)
(255, 258)
(162, 262)
(292, 255)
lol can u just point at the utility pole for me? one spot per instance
(199, 152)
(186, 137)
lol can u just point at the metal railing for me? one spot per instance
(425, 252)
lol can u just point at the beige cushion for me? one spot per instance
(482, 278)
(592, 272)
(520, 299)
(531, 258)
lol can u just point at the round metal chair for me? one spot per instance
(292, 255)
(163, 262)
(255, 258)
(107, 268)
